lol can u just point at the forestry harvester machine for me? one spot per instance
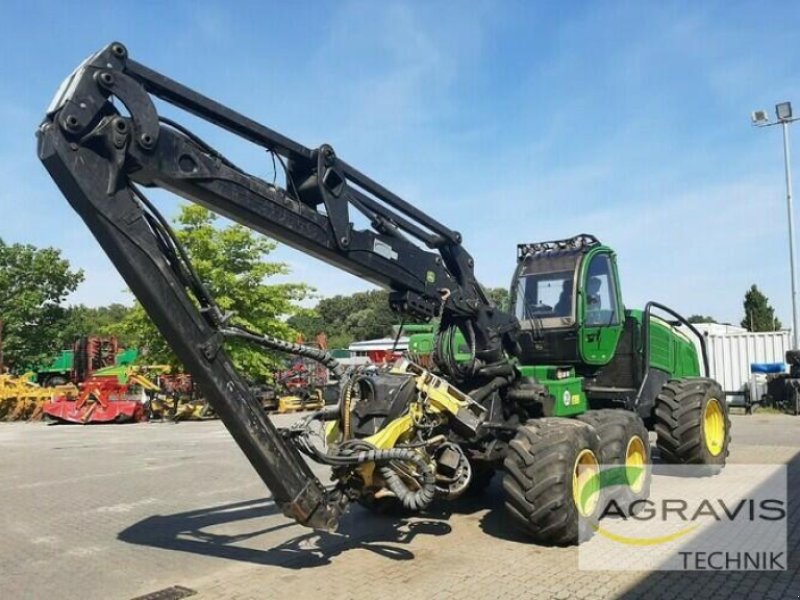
(547, 392)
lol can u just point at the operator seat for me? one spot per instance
(564, 305)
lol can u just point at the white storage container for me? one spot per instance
(731, 353)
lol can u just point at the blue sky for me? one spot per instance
(510, 121)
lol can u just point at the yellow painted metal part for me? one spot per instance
(714, 427)
(434, 397)
(434, 391)
(332, 432)
(190, 411)
(586, 482)
(142, 381)
(401, 427)
(296, 403)
(635, 457)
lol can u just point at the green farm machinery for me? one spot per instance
(563, 382)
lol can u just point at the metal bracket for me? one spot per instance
(332, 187)
(137, 101)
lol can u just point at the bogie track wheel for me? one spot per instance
(625, 452)
(551, 480)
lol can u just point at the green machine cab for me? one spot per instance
(590, 352)
(579, 339)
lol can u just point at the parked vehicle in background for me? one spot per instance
(88, 354)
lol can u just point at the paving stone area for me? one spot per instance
(122, 511)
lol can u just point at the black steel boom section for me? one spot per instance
(98, 156)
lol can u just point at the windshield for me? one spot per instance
(544, 290)
(544, 295)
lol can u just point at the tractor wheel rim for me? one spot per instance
(635, 460)
(714, 427)
(586, 482)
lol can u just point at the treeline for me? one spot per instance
(359, 316)
(345, 319)
(34, 283)
(232, 261)
(759, 315)
(36, 322)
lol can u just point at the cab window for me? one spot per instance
(600, 293)
(544, 295)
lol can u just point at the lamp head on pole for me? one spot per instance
(783, 111)
(759, 118)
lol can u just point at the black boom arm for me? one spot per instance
(98, 155)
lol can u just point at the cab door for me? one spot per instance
(600, 310)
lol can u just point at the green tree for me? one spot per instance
(758, 314)
(701, 319)
(498, 295)
(34, 282)
(104, 321)
(360, 316)
(307, 322)
(345, 319)
(232, 263)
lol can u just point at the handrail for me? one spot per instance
(646, 341)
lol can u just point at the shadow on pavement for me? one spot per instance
(221, 531)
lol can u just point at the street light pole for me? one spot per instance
(760, 118)
(790, 210)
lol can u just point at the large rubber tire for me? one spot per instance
(624, 442)
(681, 411)
(792, 405)
(538, 479)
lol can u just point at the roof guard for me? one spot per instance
(580, 242)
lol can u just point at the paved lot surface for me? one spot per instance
(121, 511)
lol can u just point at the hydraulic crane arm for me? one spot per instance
(98, 154)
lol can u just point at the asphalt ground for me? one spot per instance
(121, 511)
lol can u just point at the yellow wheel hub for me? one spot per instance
(635, 457)
(714, 426)
(586, 482)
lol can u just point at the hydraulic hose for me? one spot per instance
(445, 351)
(483, 392)
(273, 343)
(410, 500)
(359, 452)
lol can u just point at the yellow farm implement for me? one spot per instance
(22, 400)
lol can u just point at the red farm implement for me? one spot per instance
(102, 399)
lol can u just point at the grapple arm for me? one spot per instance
(98, 154)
